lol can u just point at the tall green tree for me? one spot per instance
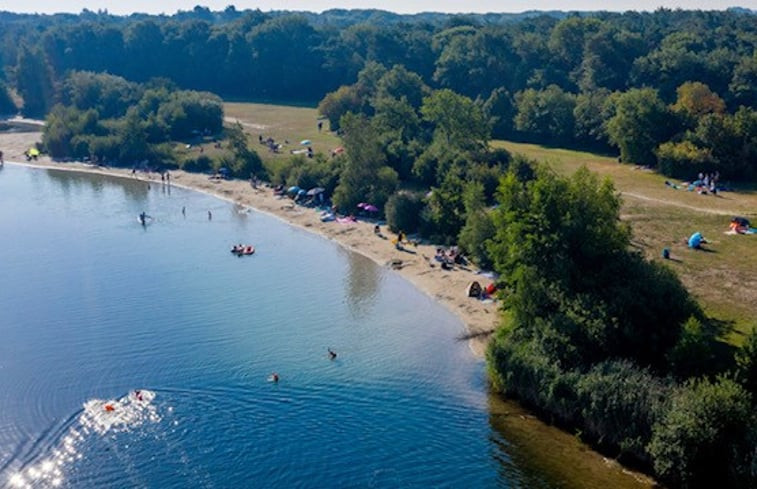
(34, 82)
(365, 177)
(641, 122)
(458, 121)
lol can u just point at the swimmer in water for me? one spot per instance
(274, 377)
(332, 354)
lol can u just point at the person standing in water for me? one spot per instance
(184, 211)
(210, 216)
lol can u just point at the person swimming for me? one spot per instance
(274, 377)
(332, 354)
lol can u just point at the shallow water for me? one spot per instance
(94, 305)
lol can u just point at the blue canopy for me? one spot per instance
(695, 240)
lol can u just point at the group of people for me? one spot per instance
(707, 182)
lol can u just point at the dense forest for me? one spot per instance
(596, 338)
(677, 89)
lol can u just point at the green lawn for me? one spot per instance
(282, 123)
(724, 279)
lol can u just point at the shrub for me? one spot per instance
(746, 361)
(202, 163)
(403, 212)
(705, 438)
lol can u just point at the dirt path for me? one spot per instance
(682, 205)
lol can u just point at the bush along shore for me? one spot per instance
(602, 342)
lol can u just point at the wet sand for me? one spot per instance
(415, 263)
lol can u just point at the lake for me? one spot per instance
(95, 306)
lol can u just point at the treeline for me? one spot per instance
(109, 120)
(603, 80)
(600, 341)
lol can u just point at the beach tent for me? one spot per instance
(695, 240)
(305, 142)
(474, 289)
(315, 191)
(293, 189)
(33, 152)
(370, 208)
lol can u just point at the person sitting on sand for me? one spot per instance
(377, 229)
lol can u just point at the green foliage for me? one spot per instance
(500, 109)
(478, 228)
(704, 438)
(459, 123)
(684, 159)
(444, 215)
(591, 113)
(107, 94)
(746, 362)
(692, 355)
(336, 104)
(547, 114)
(7, 105)
(307, 173)
(619, 405)
(129, 123)
(243, 161)
(34, 82)
(365, 177)
(641, 122)
(403, 212)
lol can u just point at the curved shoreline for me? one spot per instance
(416, 264)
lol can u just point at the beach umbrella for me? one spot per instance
(305, 142)
(370, 208)
(293, 189)
(315, 191)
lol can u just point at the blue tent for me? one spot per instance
(695, 240)
(293, 189)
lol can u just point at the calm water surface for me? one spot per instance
(93, 306)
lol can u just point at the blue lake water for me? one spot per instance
(93, 306)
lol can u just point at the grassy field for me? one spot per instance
(285, 124)
(724, 278)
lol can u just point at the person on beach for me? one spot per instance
(2, 161)
(168, 177)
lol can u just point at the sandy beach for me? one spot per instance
(415, 263)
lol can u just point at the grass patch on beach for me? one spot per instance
(287, 125)
(723, 279)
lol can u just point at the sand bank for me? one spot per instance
(416, 264)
